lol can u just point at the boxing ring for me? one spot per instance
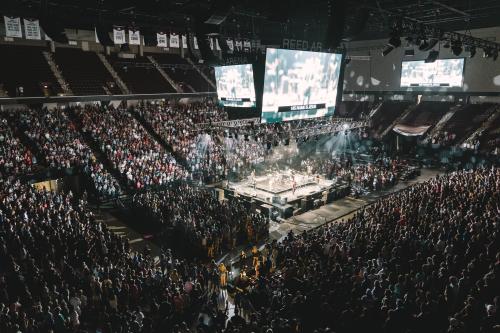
(286, 185)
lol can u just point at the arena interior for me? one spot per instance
(247, 166)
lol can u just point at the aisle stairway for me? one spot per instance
(444, 120)
(164, 74)
(84, 72)
(401, 117)
(493, 114)
(147, 126)
(123, 87)
(57, 73)
(210, 82)
(101, 157)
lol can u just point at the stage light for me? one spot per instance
(433, 55)
(345, 126)
(423, 46)
(472, 51)
(487, 52)
(426, 46)
(456, 48)
(387, 50)
(395, 41)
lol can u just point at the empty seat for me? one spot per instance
(26, 67)
(85, 73)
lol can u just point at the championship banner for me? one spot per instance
(13, 27)
(217, 46)
(239, 45)
(184, 42)
(134, 37)
(195, 43)
(247, 46)
(161, 39)
(230, 44)
(119, 35)
(174, 40)
(32, 29)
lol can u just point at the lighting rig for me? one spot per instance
(426, 37)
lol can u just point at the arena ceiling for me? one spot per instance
(248, 18)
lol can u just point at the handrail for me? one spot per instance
(93, 98)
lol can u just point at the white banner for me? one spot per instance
(230, 44)
(195, 43)
(161, 39)
(134, 37)
(174, 40)
(119, 36)
(239, 45)
(230, 123)
(247, 45)
(217, 46)
(32, 29)
(13, 27)
(184, 42)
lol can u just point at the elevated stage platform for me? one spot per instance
(276, 195)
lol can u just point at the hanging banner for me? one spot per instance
(184, 42)
(230, 44)
(211, 41)
(217, 46)
(239, 45)
(195, 43)
(174, 40)
(32, 29)
(247, 46)
(119, 35)
(13, 27)
(161, 39)
(134, 37)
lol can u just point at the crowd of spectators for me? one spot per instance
(177, 125)
(63, 271)
(132, 151)
(243, 154)
(209, 226)
(15, 158)
(374, 176)
(443, 138)
(57, 138)
(426, 259)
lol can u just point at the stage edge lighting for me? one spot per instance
(456, 47)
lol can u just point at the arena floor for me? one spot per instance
(338, 209)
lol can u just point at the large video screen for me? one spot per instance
(299, 85)
(235, 86)
(440, 73)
